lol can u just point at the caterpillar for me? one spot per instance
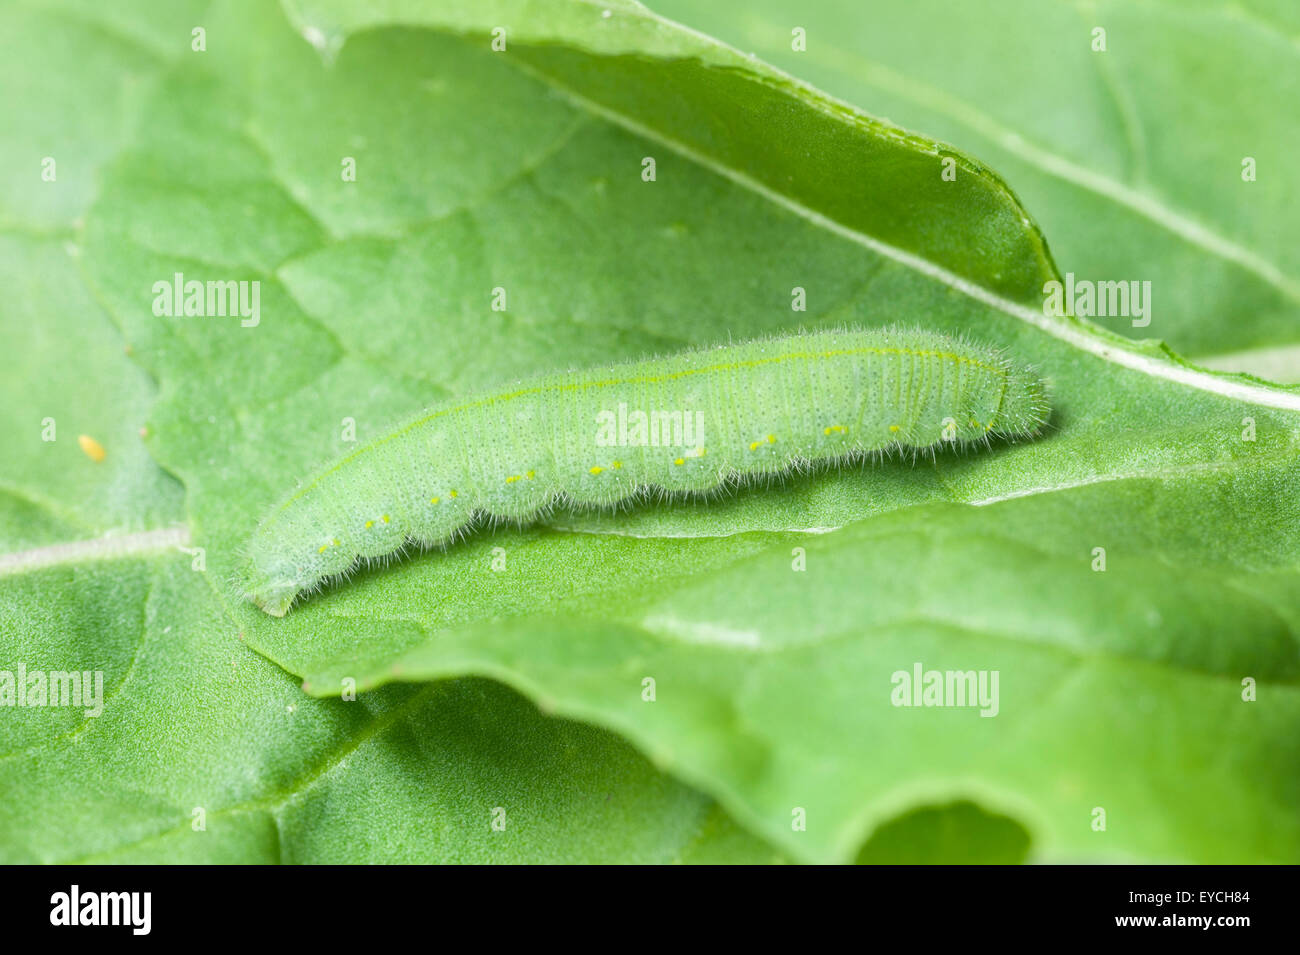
(687, 423)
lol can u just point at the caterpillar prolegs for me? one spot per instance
(685, 423)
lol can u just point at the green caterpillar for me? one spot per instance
(686, 423)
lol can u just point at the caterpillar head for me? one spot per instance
(272, 592)
(271, 577)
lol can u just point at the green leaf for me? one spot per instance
(201, 750)
(957, 834)
(1130, 158)
(611, 66)
(205, 752)
(1117, 688)
(1121, 690)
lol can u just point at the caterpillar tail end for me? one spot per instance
(1026, 406)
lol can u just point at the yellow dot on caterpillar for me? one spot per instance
(512, 479)
(835, 429)
(434, 500)
(385, 518)
(680, 461)
(370, 523)
(454, 494)
(322, 548)
(530, 475)
(894, 428)
(753, 445)
(92, 448)
(596, 469)
(616, 465)
(771, 439)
